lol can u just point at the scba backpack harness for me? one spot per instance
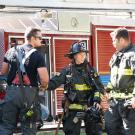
(31, 107)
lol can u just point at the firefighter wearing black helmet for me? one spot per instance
(82, 90)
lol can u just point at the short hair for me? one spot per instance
(120, 33)
(31, 32)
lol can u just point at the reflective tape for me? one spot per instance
(97, 94)
(101, 95)
(77, 107)
(128, 72)
(120, 95)
(116, 71)
(109, 85)
(82, 87)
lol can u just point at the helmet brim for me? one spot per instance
(70, 55)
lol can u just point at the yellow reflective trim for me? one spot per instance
(109, 85)
(128, 72)
(97, 94)
(101, 95)
(82, 87)
(77, 106)
(120, 95)
(116, 71)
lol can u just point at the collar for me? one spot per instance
(29, 45)
(126, 48)
(82, 64)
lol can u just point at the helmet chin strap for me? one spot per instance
(78, 63)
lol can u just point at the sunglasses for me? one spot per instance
(39, 37)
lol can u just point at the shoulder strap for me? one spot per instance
(23, 53)
(69, 69)
(90, 69)
(20, 79)
(18, 67)
(67, 85)
(92, 75)
(27, 55)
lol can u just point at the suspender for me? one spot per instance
(20, 78)
(27, 55)
(18, 67)
(20, 72)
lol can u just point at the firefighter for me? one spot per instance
(120, 116)
(30, 65)
(82, 89)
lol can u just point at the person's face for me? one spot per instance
(80, 57)
(37, 39)
(118, 43)
(115, 42)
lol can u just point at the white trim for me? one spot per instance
(74, 38)
(49, 38)
(54, 65)
(16, 36)
(88, 56)
(11, 26)
(54, 71)
(10, 36)
(34, 22)
(21, 22)
(56, 108)
(68, 33)
(67, 5)
(111, 29)
(96, 49)
(112, 21)
(45, 37)
(52, 32)
(55, 26)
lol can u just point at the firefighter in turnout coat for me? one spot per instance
(120, 116)
(82, 90)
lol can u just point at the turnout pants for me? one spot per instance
(13, 108)
(119, 121)
(71, 126)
